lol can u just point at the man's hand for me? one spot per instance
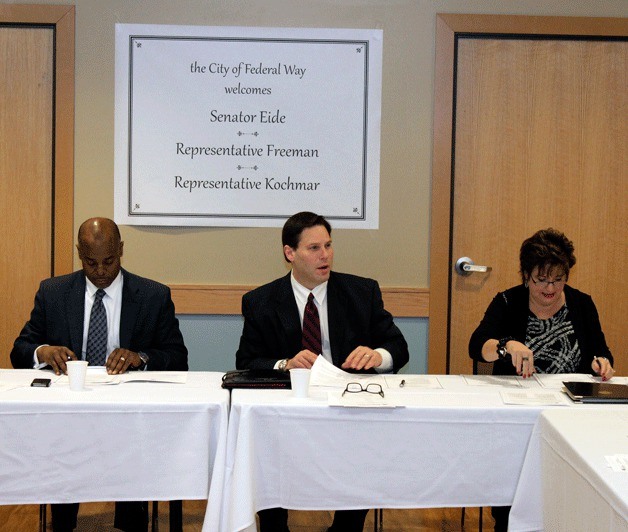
(55, 356)
(303, 359)
(120, 360)
(363, 358)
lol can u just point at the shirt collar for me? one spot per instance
(111, 289)
(320, 291)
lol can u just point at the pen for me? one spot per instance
(402, 383)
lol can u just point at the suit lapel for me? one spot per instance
(75, 311)
(130, 309)
(336, 317)
(288, 315)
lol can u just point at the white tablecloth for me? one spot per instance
(131, 441)
(455, 446)
(580, 491)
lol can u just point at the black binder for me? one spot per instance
(597, 392)
(256, 378)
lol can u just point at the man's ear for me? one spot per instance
(288, 253)
(121, 247)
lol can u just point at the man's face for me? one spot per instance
(313, 257)
(101, 260)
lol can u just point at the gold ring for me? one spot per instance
(366, 355)
(525, 358)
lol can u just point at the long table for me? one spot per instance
(580, 491)
(129, 441)
(455, 445)
(459, 445)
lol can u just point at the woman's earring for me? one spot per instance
(525, 284)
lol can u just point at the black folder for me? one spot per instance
(256, 378)
(597, 392)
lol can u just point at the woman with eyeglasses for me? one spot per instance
(543, 325)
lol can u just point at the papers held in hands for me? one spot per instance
(596, 392)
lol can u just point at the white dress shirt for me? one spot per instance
(301, 294)
(113, 307)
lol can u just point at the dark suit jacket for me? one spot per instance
(355, 311)
(147, 321)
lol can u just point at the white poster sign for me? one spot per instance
(222, 126)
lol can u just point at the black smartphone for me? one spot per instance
(40, 383)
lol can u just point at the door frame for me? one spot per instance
(448, 28)
(61, 19)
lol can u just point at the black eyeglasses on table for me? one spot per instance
(356, 387)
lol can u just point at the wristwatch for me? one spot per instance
(144, 358)
(501, 346)
(282, 364)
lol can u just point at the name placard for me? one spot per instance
(222, 126)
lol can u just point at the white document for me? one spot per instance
(618, 462)
(324, 373)
(98, 377)
(95, 376)
(554, 381)
(360, 400)
(154, 376)
(493, 380)
(412, 381)
(533, 398)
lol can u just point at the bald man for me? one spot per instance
(142, 331)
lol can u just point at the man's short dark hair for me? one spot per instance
(294, 226)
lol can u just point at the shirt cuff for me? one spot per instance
(36, 363)
(387, 361)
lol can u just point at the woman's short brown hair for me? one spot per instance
(547, 250)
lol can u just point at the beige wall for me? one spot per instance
(397, 253)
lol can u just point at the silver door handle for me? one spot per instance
(465, 266)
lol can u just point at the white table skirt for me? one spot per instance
(580, 491)
(456, 446)
(131, 441)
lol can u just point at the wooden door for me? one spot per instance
(36, 157)
(539, 140)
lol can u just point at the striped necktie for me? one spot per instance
(311, 327)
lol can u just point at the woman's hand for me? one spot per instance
(603, 368)
(522, 358)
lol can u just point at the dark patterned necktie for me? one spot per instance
(311, 327)
(97, 333)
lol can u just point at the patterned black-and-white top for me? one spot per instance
(554, 343)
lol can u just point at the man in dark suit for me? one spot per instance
(141, 332)
(356, 332)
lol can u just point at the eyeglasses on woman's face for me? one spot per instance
(544, 282)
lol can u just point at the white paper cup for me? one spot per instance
(77, 369)
(300, 382)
